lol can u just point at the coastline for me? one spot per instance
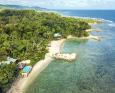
(20, 85)
(55, 47)
(27, 82)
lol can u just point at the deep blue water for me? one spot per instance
(94, 69)
(105, 14)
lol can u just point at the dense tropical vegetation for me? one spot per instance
(24, 34)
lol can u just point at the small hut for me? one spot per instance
(9, 60)
(21, 65)
(26, 70)
(25, 61)
(57, 35)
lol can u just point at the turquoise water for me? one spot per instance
(92, 72)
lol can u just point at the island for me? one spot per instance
(26, 35)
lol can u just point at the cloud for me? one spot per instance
(65, 4)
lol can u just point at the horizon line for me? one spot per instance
(58, 8)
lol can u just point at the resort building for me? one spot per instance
(21, 65)
(57, 35)
(9, 60)
(26, 70)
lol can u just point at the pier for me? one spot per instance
(63, 56)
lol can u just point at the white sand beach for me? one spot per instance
(56, 46)
(20, 85)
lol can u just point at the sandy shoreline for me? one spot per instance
(20, 85)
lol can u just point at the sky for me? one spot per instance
(64, 4)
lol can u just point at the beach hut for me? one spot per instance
(21, 65)
(9, 60)
(26, 70)
(57, 35)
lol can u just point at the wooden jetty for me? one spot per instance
(68, 57)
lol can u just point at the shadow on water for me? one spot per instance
(92, 72)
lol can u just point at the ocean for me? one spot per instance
(94, 69)
(101, 14)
